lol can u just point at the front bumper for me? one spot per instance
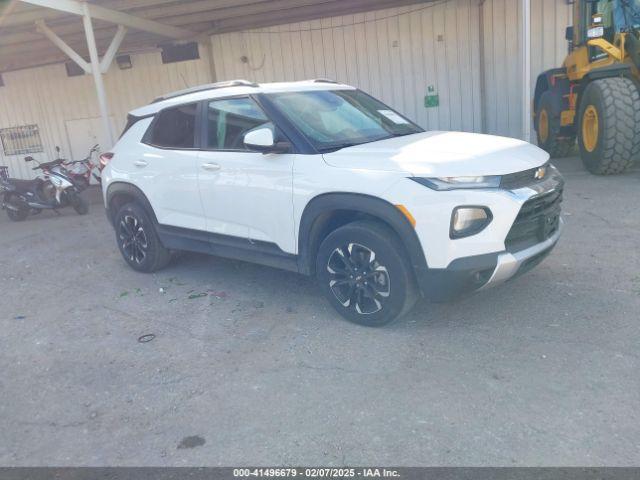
(470, 274)
(511, 264)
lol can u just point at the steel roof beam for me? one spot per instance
(119, 18)
(107, 58)
(62, 45)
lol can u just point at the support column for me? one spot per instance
(526, 69)
(97, 76)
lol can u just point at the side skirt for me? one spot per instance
(227, 246)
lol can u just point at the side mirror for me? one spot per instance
(261, 140)
(568, 34)
(28, 159)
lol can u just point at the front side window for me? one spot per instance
(334, 119)
(174, 127)
(230, 119)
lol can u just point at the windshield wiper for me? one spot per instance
(339, 146)
(336, 146)
(404, 134)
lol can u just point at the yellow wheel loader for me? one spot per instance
(595, 96)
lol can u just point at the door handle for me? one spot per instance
(140, 163)
(212, 167)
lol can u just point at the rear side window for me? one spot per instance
(131, 121)
(174, 127)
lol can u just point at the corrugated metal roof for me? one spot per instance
(22, 46)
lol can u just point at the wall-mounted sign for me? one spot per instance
(431, 99)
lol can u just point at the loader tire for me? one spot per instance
(549, 130)
(609, 126)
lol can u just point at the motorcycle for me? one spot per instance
(81, 171)
(52, 191)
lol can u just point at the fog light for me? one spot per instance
(467, 221)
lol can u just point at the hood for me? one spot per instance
(442, 154)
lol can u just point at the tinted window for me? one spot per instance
(175, 127)
(230, 119)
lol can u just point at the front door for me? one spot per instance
(246, 195)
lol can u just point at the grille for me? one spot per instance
(522, 179)
(539, 219)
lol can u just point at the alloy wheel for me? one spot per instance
(133, 239)
(357, 279)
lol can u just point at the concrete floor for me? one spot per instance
(260, 370)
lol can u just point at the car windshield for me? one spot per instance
(335, 119)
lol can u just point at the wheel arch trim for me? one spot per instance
(312, 223)
(128, 189)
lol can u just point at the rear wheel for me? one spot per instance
(609, 129)
(138, 241)
(362, 270)
(550, 136)
(15, 211)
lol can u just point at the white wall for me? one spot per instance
(503, 67)
(47, 97)
(393, 54)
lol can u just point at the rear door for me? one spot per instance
(165, 165)
(245, 194)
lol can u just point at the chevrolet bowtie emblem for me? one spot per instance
(540, 173)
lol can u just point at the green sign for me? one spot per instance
(431, 99)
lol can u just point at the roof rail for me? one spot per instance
(202, 88)
(323, 80)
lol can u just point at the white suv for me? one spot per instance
(322, 179)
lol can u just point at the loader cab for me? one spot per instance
(592, 19)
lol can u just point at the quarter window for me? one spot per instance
(175, 127)
(230, 119)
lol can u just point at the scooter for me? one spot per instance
(53, 191)
(81, 171)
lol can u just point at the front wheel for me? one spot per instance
(81, 183)
(79, 204)
(609, 126)
(362, 269)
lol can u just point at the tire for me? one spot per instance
(79, 204)
(609, 126)
(549, 130)
(346, 252)
(19, 215)
(81, 183)
(138, 241)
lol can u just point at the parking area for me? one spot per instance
(250, 365)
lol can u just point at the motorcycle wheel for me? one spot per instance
(17, 215)
(79, 204)
(81, 183)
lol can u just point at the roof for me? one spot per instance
(232, 88)
(21, 46)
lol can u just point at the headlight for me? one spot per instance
(455, 183)
(467, 221)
